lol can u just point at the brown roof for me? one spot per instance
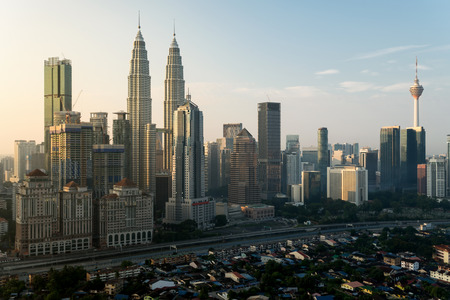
(126, 182)
(72, 184)
(36, 172)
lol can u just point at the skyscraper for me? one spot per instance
(269, 144)
(390, 157)
(231, 130)
(322, 157)
(108, 168)
(99, 122)
(71, 156)
(369, 160)
(22, 154)
(212, 166)
(122, 136)
(188, 199)
(348, 183)
(436, 177)
(412, 153)
(448, 164)
(57, 95)
(139, 106)
(416, 91)
(173, 97)
(243, 187)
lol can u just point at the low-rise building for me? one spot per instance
(442, 275)
(351, 286)
(441, 253)
(117, 273)
(409, 264)
(300, 255)
(259, 211)
(392, 260)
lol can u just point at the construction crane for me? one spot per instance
(78, 97)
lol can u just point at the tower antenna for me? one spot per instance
(139, 19)
(174, 27)
(416, 67)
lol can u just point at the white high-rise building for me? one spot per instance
(22, 155)
(188, 199)
(436, 177)
(139, 106)
(173, 97)
(348, 183)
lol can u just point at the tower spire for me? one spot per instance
(174, 28)
(416, 67)
(139, 19)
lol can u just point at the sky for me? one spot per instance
(345, 65)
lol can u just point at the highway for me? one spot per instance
(107, 258)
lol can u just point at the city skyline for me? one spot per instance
(354, 72)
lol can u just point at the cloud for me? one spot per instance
(300, 91)
(401, 86)
(421, 67)
(386, 51)
(328, 72)
(356, 86)
(370, 72)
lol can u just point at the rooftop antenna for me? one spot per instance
(139, 19)
(173, 27)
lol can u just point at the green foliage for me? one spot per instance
(126, 263)
(11, 286)
(66, 281)
(220, 220)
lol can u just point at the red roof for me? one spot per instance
(126, 182)
(36, 172)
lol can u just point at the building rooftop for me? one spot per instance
(36, 172)
(126, 182)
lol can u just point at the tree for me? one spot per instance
(220, 220)
(126, 263)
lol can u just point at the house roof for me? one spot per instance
(36, 172)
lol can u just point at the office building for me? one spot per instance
(122, 136)
(108, 168)
(348, 183)
(412, 153)
(448, 164)
(36, 214)
(75, 218)
(99, 122)
(310, 186)
(22, 156)
(322, 157)
(231, 130)
(368, 159)
(71, 156)
(422, 179)
(243, 188)
(139, 107)
(269, 145)
(212, 166)
(291, 167)
(390, 158)
(125, 216)
(436, 177)
(188, 199)
(309, 157)
(173, 98)
(57, 95)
